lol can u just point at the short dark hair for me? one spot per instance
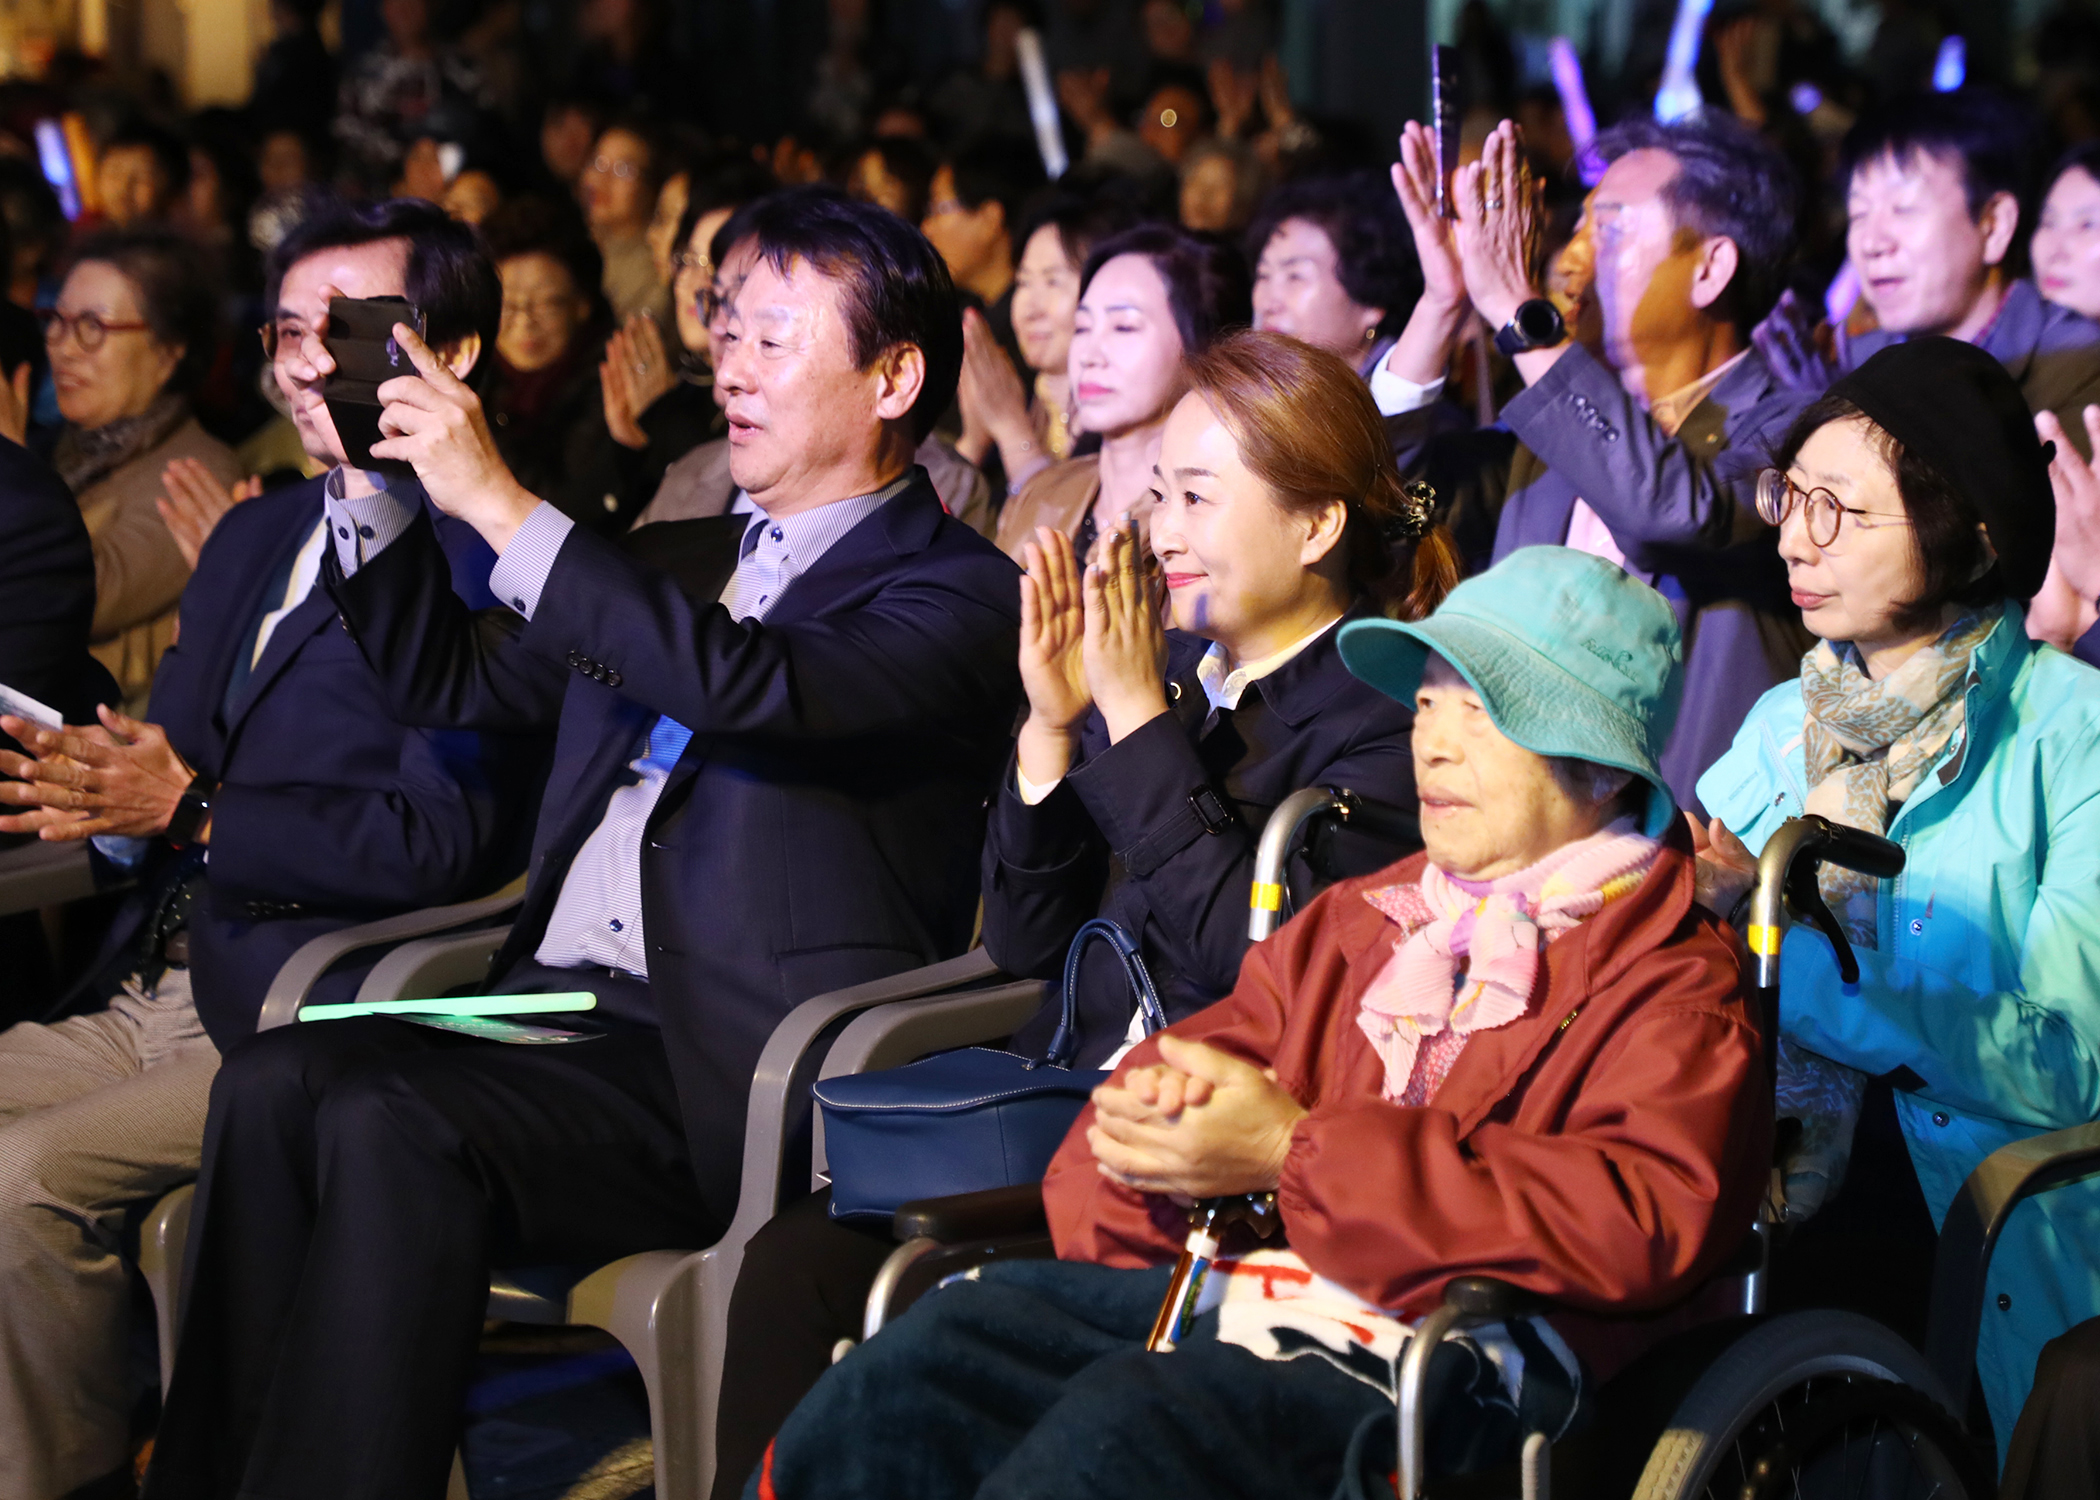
(1994, 140)
(1374, 250)
(178, 294)
(543, 226)
(450, 275)
(1205, 277)
(1946, 528)
(996, 169)
(1081, 220)
(169, 153)
(894, 286)
(730, 185)
(1729, 183)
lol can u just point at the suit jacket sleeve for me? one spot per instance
(1651, 489)
(936, 644)
(431, 837)
(47, 592)
(1044, 868)
(442, 664)
(1610, 1212)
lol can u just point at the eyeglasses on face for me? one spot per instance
(92, 330)
(1823, 513)
(611, 166)
(683, 261)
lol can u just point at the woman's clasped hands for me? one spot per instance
(1090, 638)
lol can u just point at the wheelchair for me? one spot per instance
(1744, 1404)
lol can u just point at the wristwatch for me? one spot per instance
(1536, 324)
(192, 811)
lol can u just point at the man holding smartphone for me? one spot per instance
(768, 784)
(272, 798)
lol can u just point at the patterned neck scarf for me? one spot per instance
(1867, 742)
(1421, 1004)
(84, 455)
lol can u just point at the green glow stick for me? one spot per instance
(463, 1005)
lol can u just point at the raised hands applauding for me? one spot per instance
(1092, 639)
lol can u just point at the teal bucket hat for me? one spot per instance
(1570, 654)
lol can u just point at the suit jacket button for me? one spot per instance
(612, 678)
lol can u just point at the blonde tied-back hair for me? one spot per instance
(1306, 427)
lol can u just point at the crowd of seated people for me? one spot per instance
(807, 560)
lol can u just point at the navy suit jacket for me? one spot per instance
(821, 829)
(1121, 837)
(47, 591)
(331, 812)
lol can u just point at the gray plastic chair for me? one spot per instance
(40, 874)
(670, 1307)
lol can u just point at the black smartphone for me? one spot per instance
(1446, 117)
(361, 342)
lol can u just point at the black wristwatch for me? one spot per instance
(1536, 324)
(192, 810)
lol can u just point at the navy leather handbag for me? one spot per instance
(962, 1121)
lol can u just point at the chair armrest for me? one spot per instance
(430, 966)
(2003, 1181)
(303, 970)
(44, 874)
(992, 1214)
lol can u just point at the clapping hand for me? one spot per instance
(1497, 230)
(1415, 184)
(988, 389)
(119, 777)
(1125, 650)
(1726, 869)
(434, 422)
(1200, 1124)
(193, 501)
(1053, 628)
(2077, 484)
(634, 374)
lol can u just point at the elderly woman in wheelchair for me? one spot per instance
(1524, 1053)
(1916, 516)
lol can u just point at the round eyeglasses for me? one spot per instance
(91, 329)
(1823, 512)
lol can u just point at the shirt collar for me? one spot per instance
(808, 534)
(1671, 411)
(1224, 688)
(333, 482)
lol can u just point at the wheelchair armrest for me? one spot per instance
(1486, 1300)
(2003, 1181)
(303, 970)
(992, 1214)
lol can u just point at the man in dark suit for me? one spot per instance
(769, 783)
(270, 750)
(47, 591)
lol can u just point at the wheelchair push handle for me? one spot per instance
(1786, 885)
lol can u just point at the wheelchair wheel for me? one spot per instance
(1810, 1405)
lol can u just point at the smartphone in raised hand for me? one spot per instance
(361, 342)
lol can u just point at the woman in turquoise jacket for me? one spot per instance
(1916, 514)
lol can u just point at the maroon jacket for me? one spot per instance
(1607, 1150)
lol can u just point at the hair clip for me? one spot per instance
(1416, 515)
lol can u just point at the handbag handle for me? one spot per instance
(1064, 1042)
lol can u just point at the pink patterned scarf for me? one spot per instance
(1422, 1008)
